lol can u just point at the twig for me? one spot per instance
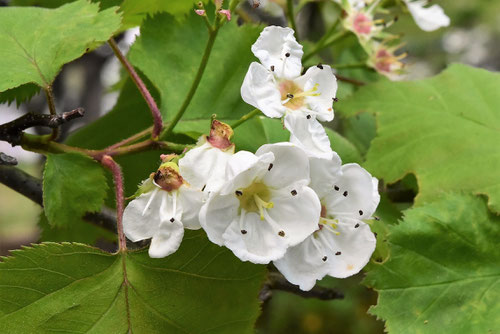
(157, 119)
(7, 160)
(31, 187)
(319, 47)
(52, 109)
(349, 80)
(276, 281)
(116, 170)
(291, 17)
(245, 117)
(12, 132)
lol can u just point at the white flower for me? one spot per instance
(276, 87)
(430, 18)
(204, 167)
(343, 244)
(265, 206)
(166, 206)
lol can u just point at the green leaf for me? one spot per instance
(78, 231)
(19, 94)
(169, 52)
(202, 288)
(443, 274)
(36, 42)
(444, 129)
(134, 12)
(73, 184)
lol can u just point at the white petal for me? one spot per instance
(296, 214)
(167, 239)
(428, 19)
(302, 265)
(217, 214)
(271, 48)
(324, 173)
(326, 253)
(309, 135)
(355, 244)
(138, 223)
(357, 195)
(260, 244)
(191, 201)
(243, 168)
(326, 88)
(205, 166)
(290, 165)
(260, 90)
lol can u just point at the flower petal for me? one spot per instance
(141, 216)
(290, 165)
(324, 173)
(302, 265)
(167, 239)
(322, 78)
(357, 195)
(191, 201)
(243, 168)
(309, 135)
(428, 19)
(204, 167)
(295, 213)
(254, 240)
(260, 90)
(217, 214)
(276, 46)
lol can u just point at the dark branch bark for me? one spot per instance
(12, 132)
(276, 281)
(31, 187)
(349, 80)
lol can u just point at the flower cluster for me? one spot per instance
(379, 44)
(292, 203)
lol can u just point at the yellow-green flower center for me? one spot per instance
(255, 198)
(292, 96)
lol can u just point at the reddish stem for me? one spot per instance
(158, 123)
(115, 169)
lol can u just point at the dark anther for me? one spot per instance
(356, 226)
(272, 68)
(324, 258)
(281, 233)
(203, 189)
(336, 188)
(335, 99)
(243, 231)
(157, 176)
(319, 66)
(376, 218)
(396, 18)
(294, 192)
(172, 219)
(238, 193)
(287, 54)
(270, 167)
(375, 233)
(360, 212)
(308, 116)
(379, 260)
(290, 96)
(338, 253)
(345, 193)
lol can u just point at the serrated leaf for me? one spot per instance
(443, 274)
(169, 53)
(201, 288)
(36, 42)
(445, 129)
(73, 184)
(19, 94)
(134, 12)
(78, 231)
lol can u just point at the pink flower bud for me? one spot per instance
(226, 12)
(200, 12)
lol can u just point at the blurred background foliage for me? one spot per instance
(91, 82)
